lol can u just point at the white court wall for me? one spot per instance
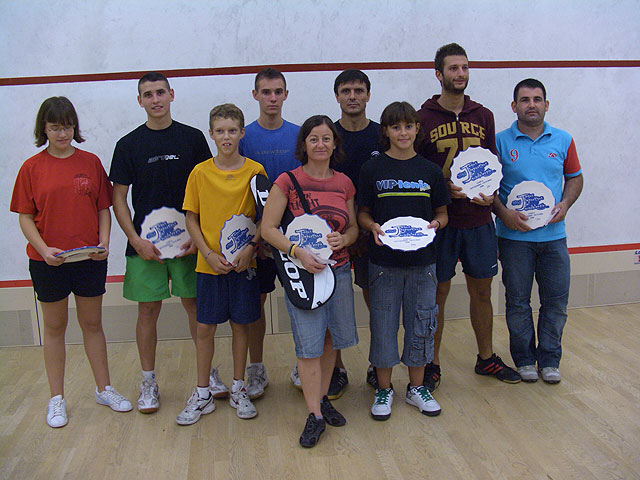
(597, 105)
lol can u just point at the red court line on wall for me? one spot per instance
(605, 248)
(315, 67)
(572, 250)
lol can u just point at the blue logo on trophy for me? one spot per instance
(405, 231)
(236, 234)
(529, 201)
(474, 170)
(163, 230)
(238, 239)
(305, 237)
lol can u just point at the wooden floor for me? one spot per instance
(586, 427)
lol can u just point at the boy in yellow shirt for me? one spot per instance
(217, 190)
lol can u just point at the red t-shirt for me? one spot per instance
(64, 195)
(327, 198)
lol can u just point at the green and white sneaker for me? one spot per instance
(420, 397)
(381, 408)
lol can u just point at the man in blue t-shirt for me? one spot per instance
(271, 141)
(533, 150)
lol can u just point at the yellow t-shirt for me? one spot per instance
(216, 195)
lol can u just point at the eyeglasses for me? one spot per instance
(57, 129)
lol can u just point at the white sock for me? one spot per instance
(149, 376)
(203, 392)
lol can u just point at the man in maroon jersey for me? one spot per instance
(452, 122)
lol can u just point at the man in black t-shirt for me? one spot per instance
(155, 160)
(360, 140)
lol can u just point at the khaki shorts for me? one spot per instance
(148, 280)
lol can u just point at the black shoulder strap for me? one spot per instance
(303, 200)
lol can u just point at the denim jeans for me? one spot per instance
(413, 289)
(309, 327)
(549, 262)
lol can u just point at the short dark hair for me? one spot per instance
(153, 77)
(529, 83)
(394, 113)
(351, 75)
(56, 110)
(309, 124)
(226, 110)
(270, 73)
(446, 51)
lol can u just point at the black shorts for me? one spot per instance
(361, 269)
(84, 279)
(266, 272)
(476, 248)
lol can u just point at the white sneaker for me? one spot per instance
(241, 402)
(381, 408)
(217, 388)
(295, 378)
(196, 407)
(528, 373)
(112, 399)
(420, 397)
(148, 400)
(551, 375)
(57, 412)
(257, 380)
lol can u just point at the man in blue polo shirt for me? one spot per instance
(533, 150)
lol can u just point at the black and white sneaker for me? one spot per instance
(431, 376)
(494, 366)
(339, 381)
(372, 377)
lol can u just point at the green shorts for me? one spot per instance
(148, 280)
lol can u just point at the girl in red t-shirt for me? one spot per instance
(62, 196)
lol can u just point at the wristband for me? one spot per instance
(292, 249)
(207, 255)
(253, 244)
(439, 224)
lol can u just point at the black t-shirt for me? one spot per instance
(358, 147)
(157, 164)
(396, 188)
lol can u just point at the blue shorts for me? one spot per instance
(233, 296)
(267, 272)
(413, 289)
(52, 284)
(337, 315)
(477, 249)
